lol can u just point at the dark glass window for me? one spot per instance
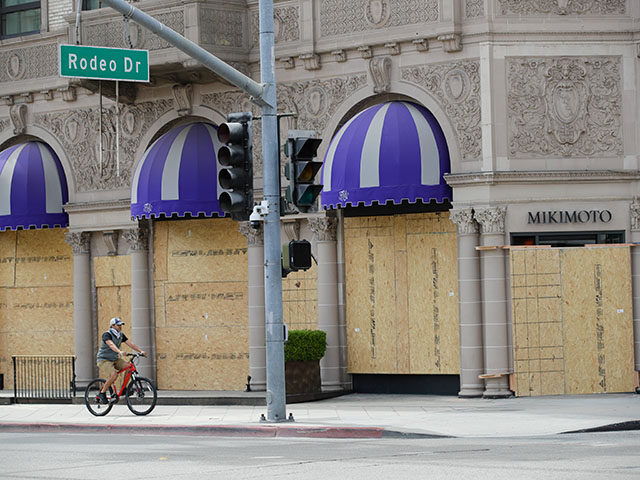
(91, 4)
(19, 17)
(567, 239)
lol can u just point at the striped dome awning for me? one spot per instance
(393, 151)
(178, 174)
(33, 188)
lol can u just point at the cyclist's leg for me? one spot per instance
(118, 365)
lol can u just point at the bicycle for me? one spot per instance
(140, 392)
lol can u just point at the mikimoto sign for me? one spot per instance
(103, 63)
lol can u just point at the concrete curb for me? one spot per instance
(612, 427)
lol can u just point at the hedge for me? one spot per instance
(305, 345)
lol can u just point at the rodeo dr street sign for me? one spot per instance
(103, 63)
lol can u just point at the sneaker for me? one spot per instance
(102, 398)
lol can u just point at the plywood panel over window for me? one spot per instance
(201, 305)
(402, 302)
(572, 321)
(36, 296)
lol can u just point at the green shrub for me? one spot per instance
(305, 345)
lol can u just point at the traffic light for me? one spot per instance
(296, 255)
(235, 158)
(302, 148)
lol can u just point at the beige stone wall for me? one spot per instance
(572, 321)
(402, 301)
(201, 305)
(36, 296)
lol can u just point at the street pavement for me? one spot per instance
(350, 416)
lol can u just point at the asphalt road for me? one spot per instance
(110, 456)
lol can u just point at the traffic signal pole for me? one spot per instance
(263, 94)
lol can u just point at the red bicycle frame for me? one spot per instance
(129, 369)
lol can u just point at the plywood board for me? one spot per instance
(112, 270)
(8, 245)
(402, 312)
(206, 250)
(114, 302)
(572, 324)
(43, 258)
(300, 299)
(160, 249)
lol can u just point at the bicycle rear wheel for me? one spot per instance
(91, 398)
(141, 396)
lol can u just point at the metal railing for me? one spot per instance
(43, 377)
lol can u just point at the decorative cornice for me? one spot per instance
(491, 219)
(324, 228)
(463, 218)
(137, 238)
(97, 206)
(555, 176)
(254, 236)
(80, 242)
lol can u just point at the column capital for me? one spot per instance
(324, 228)
(137, 238)
(254, 236)
(634, 210)
(491, 219)
(463, 218)
(79, 241)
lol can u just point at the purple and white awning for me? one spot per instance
(393, 151)
(178, 174)
(33, 188)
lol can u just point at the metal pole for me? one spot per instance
(117, 128)
(196, 52)
(276, 395)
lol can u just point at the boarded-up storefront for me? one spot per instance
(36, 296)
(402, 302)
(572, 320)
(201, 305)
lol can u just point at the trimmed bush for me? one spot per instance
(305, 345)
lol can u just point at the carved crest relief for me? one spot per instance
(565, 106)
(456, 85)
(18, 115)
(15, 66)
(377, 12)
(380, 69)
(32, 62)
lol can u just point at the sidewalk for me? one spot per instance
(352, 415)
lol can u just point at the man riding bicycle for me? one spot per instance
(110, 354)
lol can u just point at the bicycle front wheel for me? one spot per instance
(141, 396)
(92, 401)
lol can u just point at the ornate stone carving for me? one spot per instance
(18, 115)
(463, 218)
(393, 48)
(288, 62)
(291, 230)
(31, 62)
(380, 69)
(113, 33)
(47, 95)
(286, 23)
(457, 87)
(422, 44)
(254, 236)
(80, 242)
(562, 7)
(183, 98)
(451, 42)
(324, 228)
(365, 51)
(25, 97)
(339, 56)
(338, 17)
(311, 61)
(491, 219)
(634, 210)
(3, 124)
(473, 8)
(68, 94)
(111, 241)
(137, 239)
(71, 127)
(564, 106)
(224, 27)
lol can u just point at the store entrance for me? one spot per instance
(567, 239)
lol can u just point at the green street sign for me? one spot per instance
(103, 63)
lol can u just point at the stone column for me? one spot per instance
(494, 302)
(82, 321)
(635, 280)
(324, 229)
(257, 335)
(142, 331)
(469, 304)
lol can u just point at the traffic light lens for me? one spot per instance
(224, 134)
(307, 173)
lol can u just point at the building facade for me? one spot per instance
(476, 229)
